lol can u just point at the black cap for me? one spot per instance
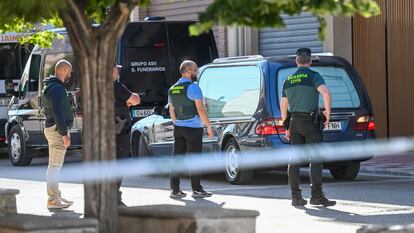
(303, 52)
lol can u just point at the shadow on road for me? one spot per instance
(349, 217)
(201, 202)
(64, 213)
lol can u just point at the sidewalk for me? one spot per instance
(32, 200)
(397, 165)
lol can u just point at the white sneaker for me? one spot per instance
(56, 204)
(66, 201)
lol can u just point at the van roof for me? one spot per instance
(325, 58)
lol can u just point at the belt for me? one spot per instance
(300, 114)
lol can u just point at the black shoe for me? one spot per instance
(322, 200)
(299, 201)
(201, 193)
(177, 194)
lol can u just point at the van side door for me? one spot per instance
(29, 110)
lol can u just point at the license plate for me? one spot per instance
(333, 126)
(4, 102)
(142, 112)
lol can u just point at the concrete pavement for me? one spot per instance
(367, 200)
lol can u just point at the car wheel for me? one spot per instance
(18, 152)
(143, 151)
(345, 172)
(234, 174)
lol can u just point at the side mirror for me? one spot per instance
(9, 88)
(158, 110)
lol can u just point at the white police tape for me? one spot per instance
(215, 162)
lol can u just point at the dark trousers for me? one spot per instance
(186, 141)
(304, 131)
(122, 152)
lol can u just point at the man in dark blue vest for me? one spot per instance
(301, 94)
(188, 114)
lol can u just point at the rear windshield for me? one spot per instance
(230, 91)
(344, 93)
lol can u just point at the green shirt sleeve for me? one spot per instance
(283, 89)
(318, 80)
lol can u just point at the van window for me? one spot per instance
(231, 91)
(199, 49)
(344, 93)
(34, 73)
(12, 58)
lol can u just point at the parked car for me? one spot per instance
(13, 57)
(242, 96)
(150, 53)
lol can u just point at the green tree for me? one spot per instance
(94, 48)
(267, 13)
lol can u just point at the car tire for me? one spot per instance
(135, 145)
(348, 171)
(18, 152)
(233, 173)
(143, 151)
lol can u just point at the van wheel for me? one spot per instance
(345, 172)
(143, 151)
(234, 174)
(18, 152)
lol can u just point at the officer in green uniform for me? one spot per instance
(301, 95)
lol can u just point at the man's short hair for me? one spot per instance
(304, 55)
(185, 65)
(61, 64)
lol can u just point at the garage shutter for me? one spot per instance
(300, 31)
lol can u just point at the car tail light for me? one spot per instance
(364, 123)
(159, 45)
(270, 127)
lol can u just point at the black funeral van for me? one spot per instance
(150, 53)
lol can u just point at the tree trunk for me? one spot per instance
(94, 49)
(95, 73)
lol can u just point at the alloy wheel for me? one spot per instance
(15, 143)
(232, 165)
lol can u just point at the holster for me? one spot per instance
(286, 122)
(318, 118)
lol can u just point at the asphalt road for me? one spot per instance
(367, 200)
